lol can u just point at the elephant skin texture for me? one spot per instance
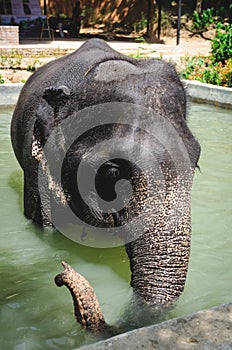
(150, 100)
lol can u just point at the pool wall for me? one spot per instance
(207, 93)
(9, 94)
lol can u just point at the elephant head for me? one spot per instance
(120, 124)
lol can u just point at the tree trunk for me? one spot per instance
(150, 19)
(178, 23)
(198, 6)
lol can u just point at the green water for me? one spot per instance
(35, 314)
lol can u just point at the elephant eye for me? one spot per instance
(107, 176)
(111, 169)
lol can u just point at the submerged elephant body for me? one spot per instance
(93, 78)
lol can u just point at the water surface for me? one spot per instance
(35, 314)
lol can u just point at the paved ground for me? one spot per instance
(168, 50)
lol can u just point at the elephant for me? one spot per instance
(89, 83)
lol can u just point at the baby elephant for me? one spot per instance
(105, 149)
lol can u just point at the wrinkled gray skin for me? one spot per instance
(97, 74)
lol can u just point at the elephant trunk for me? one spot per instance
(86, 306)
(159, 262)
(159, 256)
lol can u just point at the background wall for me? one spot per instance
(124, 11)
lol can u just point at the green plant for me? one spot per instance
(1, 79)
(201, 21)
(221, 13)
(226, 76)
(221, 47)
(141, 40)
(166, 20)
(30, 68)
(10, 60)
(87, 15)
(138, 55)
(206, 71)
(33, 65)
(62, 15)
(140, 24)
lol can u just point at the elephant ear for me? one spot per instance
(57, 97)
(55, 105)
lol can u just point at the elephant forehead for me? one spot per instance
(118, 69)
(113, 70)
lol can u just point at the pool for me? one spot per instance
(35, 314)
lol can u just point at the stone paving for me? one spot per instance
(205, 330)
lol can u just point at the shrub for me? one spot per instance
(206, 71)
(201, 21)
(167, 21)
(226, 73)
(221, 47)
(141, 24)
(216, 69)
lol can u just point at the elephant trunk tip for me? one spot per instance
(86, 306)
(59, 280)
(66, 266)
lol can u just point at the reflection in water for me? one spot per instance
(35, 314)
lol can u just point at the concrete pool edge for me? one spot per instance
(197, 92)
(207, 93)
(9, 94)
(208, 329)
